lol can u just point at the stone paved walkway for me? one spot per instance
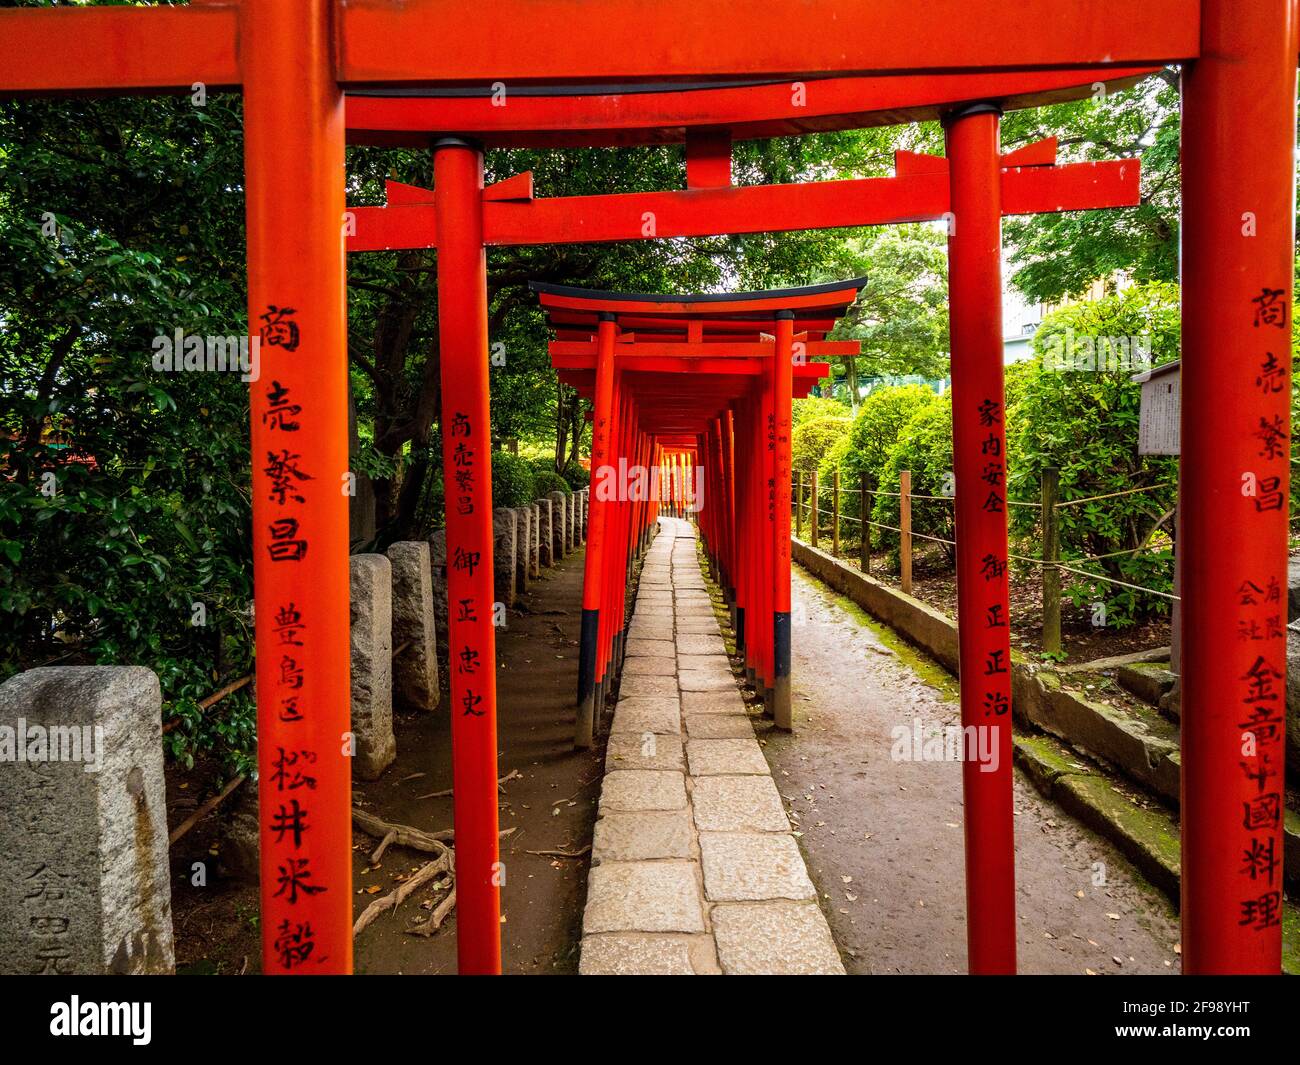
(694, 867)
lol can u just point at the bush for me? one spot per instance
(814, 407)
(1085, 423)
(513, 481)
(876, 428)
(836, 459)
(549, 481)
(924, 446)
(576, 477)
(810, 442)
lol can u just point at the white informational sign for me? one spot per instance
(1158, 418)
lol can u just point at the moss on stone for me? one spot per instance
(1042, 760)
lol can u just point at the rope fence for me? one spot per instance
(1049, 563)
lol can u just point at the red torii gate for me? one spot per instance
(294, 59)
(975, 183)
(691, 359)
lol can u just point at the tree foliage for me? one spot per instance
(1085, 424)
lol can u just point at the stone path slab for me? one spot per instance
(695, 869)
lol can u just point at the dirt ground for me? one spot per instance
(550, 806)
(883, 839)
(934, 582)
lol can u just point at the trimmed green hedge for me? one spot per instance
(514, 482)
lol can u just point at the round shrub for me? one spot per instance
(876, 428)
(513, 481)
(810, 442)
(549, 481)
(924, 446)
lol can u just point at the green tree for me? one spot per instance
(124, 509)
(1085, 424)
(1055, 256)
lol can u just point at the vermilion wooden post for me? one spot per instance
(1238, 250)
(767, 494)
(778, 503)
(729, 497)
(979, 455)
(742, 468)
(729, 508)
(293, 130)
(611, 560)
(598, 505)
(467, 470)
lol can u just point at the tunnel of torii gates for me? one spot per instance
(315, 74)
(693, 383)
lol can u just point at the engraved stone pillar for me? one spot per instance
(523, 543)
(558, 509)
(546, 541)
(438, 579)
(503, 555)
(415, 668)
(372, 665)
(535, 543)
(84, 883)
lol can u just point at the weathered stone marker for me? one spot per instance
(438, 578)
(503, 555)
(372, 665)
(523, 544)
(559, 508)
(546, 542)
(415, 669)
(535, 543)
(571, 540)
(84, 883)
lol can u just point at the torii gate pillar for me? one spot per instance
(979, 460)
(467, 479)
(293, 133)
(1238, 257)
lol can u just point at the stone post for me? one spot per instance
(546, 542)
(571, 522)
(504, 530)
(85, 887)
(372, 665)
(558, 508)
(523, 542)
(415, 669)
(534, 545)
(438, 579)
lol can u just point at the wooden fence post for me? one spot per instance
(864, 512)
(1051, 554)
(835, 513)
(798, 505)
(905, 523)
(815, 515)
